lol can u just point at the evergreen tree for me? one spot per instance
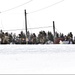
(50, 36)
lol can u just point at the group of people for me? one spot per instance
(31, 38)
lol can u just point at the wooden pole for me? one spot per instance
(54, 30)
(26, 27)
(26, 22)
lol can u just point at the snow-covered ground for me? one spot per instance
(37, 59)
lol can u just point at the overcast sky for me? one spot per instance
(60, 11)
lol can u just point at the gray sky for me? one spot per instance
(60, 11)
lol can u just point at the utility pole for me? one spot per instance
(26, 22)
(54, 30)
(26, 26)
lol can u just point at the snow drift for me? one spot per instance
(37, 59)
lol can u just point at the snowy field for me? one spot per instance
(37, 59)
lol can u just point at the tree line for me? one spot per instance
(31, 38)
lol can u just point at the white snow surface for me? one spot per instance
(37, 59)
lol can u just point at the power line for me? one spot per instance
(45, 7)
(14, 30)
(28, 28)
(16, 7)
(57, 30)
(40, 27)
